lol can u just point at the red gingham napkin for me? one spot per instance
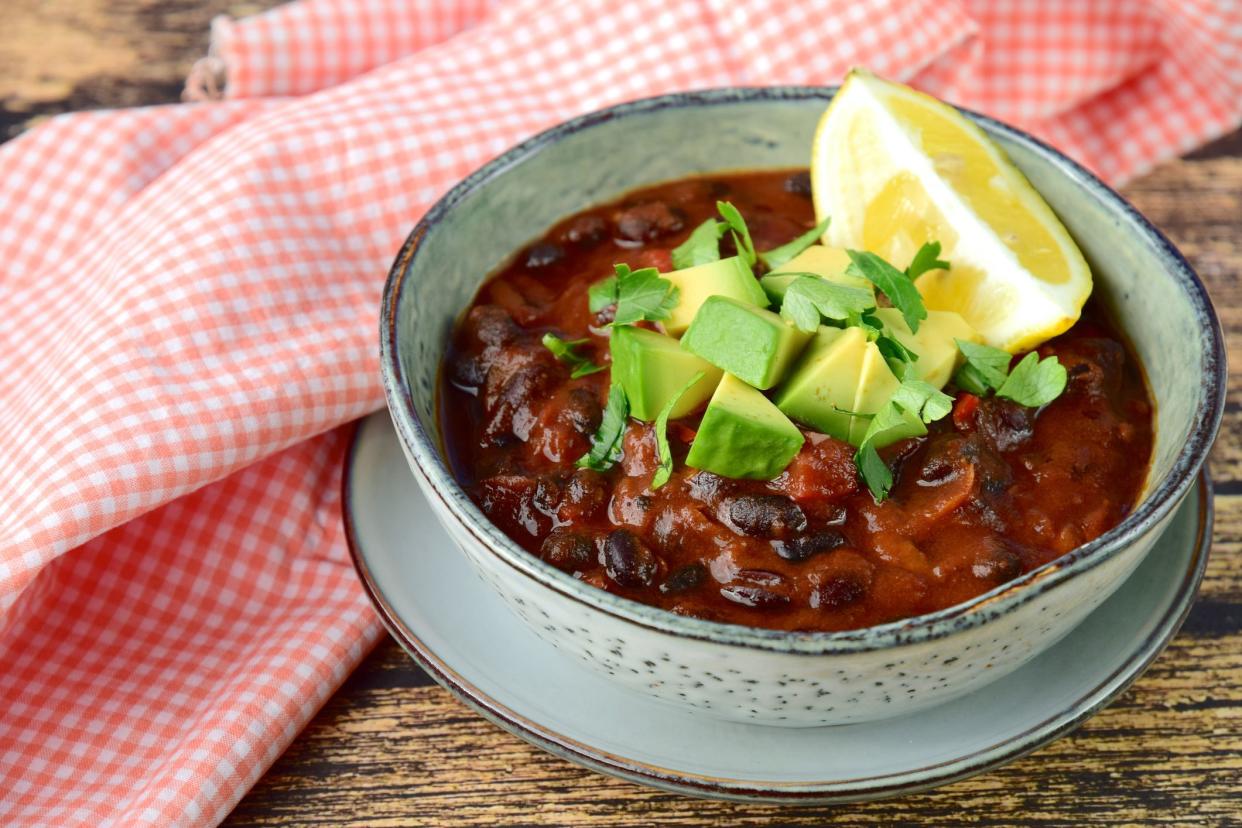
(188, 296)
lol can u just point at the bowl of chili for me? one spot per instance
(830, 627)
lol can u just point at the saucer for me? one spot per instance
(460, 631)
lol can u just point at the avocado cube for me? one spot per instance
(938, 353)
(876, 383)
(729, 277)
(753, 344)
(652, 368)
(743, 434)
(822, 387)
(826, 262)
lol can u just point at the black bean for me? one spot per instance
(648, 221)
(468, 371)
(587, 490)
(706, 487)
(1005, 424)
(567, 550)
(586, 231)
(512, 410)
(547, 495)
(799, 184)
(583, 410)
(491, 325)
(804, 546)
(756, 597)
(837, 591)
(997, 564)
(764, 516)
(604, 316)
(543, 254)
(687, 578)
(628, 561)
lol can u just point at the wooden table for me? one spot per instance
(391, 748)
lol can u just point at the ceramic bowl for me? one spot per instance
(744, 673)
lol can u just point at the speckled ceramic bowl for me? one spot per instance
(743, 673)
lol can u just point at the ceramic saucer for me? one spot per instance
(463, 635)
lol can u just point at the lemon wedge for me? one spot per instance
(895, 168)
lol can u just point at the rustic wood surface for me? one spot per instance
(393, 749)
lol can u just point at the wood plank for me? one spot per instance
(62, 55)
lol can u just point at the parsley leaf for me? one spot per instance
(702, 245)
(985, 368)
(602, 294)
(925, 259)
(896, 354)
(778, 256)
(914, 398)
(871, 467)
(642, 294)
(895, 284)
(873, 470)
(741, 234)
(1034, 382)
(607, 441)
(924, 399)
(564, 351)
(809, 296)
(665, 453)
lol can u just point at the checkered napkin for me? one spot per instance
(188, 300)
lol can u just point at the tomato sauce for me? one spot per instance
(993, 491)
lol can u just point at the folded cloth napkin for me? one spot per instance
(188, 300)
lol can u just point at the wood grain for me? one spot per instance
(392, 749)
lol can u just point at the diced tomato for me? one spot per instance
(964, 411)
(657, 257)
(682, 432)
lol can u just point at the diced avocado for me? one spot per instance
(743, 434)
(727, 277)
(753, 344)
(827, 262)
(876, 384)
(821, 388)
(938, 353)
(652, 367)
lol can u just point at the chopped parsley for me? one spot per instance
(897, 355)
(924, 399)
(897, 285)
(926, 258)
(778, 256)
(741, 233)
(665, 453)
(1033, 382)
(984, 370)
(701, 247)
(913, 398)
(608, 439)
(564, 351)
(873, 470)
(638, 294)
(808, 297)
(602, 294)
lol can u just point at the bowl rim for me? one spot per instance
(422, 445)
